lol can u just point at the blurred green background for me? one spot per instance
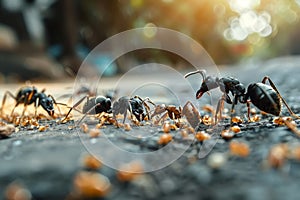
(47, 39)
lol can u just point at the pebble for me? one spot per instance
(200, 173)
(216, 160)
(17, 142)
(148, 186)
(167, 185)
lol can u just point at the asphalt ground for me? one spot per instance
(49, 164)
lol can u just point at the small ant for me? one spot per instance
(265, 97)
(172, 111)
(135, 105)
(94, 105)
(101, 104)
(29, 95)
(189, 111)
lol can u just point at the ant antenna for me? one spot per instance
(201, 72)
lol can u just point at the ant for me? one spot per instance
(97, 104)
(135, 105)
(265, 97)
(172, 111)
(189, 111)
(29, 95)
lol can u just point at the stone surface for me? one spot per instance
(46, 162)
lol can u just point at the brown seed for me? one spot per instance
(34, 122)
(255, 118)
(98, 126)
(253, 111)
(91, 162)
(235, 129)
(173, 127)
(201, 136)
(237, 119)
(216, 160)
(111, 120)
(239, 149)
(127, 127)
(277, 155)
(278, 121)
(207, 120)
(165, 138)
(94, 133)
(7, 129)
(166, 127)
(25, 122)
(16, 191)
(296, 153)
(191, 129)
(42, 128)
(17, 121)
(91, 184)
(227, 134)
(184, 133)
(130, 171)
(84, 127)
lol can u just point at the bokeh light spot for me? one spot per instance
(150, 30)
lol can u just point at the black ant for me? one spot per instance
(135, 105)
(30, 95)
(265, 97)
(101, 104)
(94, 105)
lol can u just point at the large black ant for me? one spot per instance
(30, 95)
(135, 105)
(265, 97)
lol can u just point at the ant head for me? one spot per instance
(208, 82)
(138, 108)
(47, 104)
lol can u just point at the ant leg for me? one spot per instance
(232, 108)
(275, 88)
(158, 110)
(64, 104)
(36, 104)
(220, 107)
(4, 100)
(26, 100)
(125, 115)
(292, 127)
(248, 106)
(88, 112)
(147, 110)
(74, 106)
(162, 117)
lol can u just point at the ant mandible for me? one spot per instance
(265, 97)
(29, 95)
